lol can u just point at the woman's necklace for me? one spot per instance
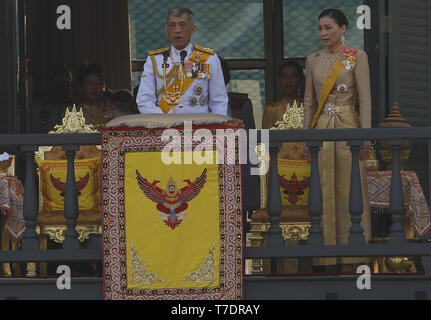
(331, 62)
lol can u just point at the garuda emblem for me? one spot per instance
(172, 202)
(293, 188)
(61, 186)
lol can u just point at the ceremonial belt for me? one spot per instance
(163, 104)
(327, 88)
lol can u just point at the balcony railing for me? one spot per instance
(256, 287)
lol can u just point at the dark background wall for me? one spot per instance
(8, 68)
(99, 33)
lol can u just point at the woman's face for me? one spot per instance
(92, 87)
(289, 81)
(330, 32)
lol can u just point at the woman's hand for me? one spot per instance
(364, 150)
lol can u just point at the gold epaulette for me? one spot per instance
(158, 51)
(206, 50)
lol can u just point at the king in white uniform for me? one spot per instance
(207, 92)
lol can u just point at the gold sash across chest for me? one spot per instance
(163, 104)
(327, 88)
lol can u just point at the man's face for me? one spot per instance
(180, 30)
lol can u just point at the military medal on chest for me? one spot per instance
(194, 70)
(193, 101)
(342, 88)
(198, 96)
(197, 69)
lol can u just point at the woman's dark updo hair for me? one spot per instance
(87, 69)
(337, 15)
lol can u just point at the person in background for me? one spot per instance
(241, 107)
(123, 103)
(49, 108)
(292, 83)
(94, 95)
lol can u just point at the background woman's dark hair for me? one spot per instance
(338, 16)
(226, 70)
(59, 68)
(297, 66)
(91, 68)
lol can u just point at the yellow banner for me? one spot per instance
(173, 235)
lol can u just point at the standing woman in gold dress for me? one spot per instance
(337, 79)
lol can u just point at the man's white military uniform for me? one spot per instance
(202, 96)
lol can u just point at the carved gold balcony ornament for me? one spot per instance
(262, 153)
(400, 264)
(293, 118)
(394, 120)
(74, 122)
(174, 97)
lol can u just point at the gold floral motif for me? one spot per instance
(290, 231)
(139, 275)
(56, 233)
(206, 273)
(295, 232)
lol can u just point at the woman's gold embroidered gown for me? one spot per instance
(335, 158)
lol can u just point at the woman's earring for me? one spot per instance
(343, 39)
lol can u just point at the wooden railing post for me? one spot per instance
(275, 237)
(71, 201)
(315, 200)
(397, 234)
(356, 206)
(30, 239)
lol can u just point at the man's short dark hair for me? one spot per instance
(179, 11)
